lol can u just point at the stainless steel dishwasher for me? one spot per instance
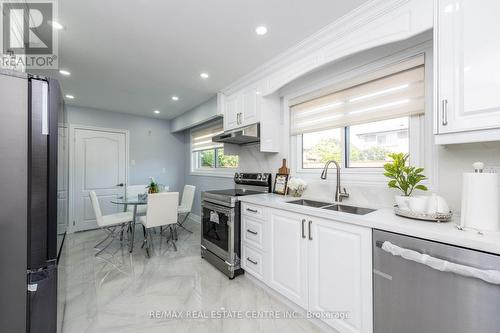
(410, 296)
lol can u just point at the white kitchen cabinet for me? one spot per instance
(288, 256)
(340, 274)
(248, 107)
(467, 71)
(230, 107)
(242, 108)
(322, 265)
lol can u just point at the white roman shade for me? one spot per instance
(202, 139)
(392, 92)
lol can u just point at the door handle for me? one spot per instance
(303, 228)
(444, 108)
(120, 185)
(252, 261)
(309, 230)
(252, 232)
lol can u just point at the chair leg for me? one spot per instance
(180, 224)
(172, 233)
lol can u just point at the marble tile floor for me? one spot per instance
(117, 293)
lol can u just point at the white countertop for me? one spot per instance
(385, 219)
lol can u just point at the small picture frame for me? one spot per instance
(280, 183)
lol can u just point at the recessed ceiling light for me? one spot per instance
(156, 111)
(175, 98)
(70, 96)
(204, 75)
(261, 30)
(65, 72)
(56, 25)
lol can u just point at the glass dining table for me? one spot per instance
(133, 201)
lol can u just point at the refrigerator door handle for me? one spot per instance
(45, 108)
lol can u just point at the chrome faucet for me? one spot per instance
(338, 193)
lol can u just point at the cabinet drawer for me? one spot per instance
(252, 232)
(252, 262)
(253, 210)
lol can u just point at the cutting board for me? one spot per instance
(284, 169)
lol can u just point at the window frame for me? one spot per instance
(414, 123)
(422, 147)
(194, 168)
(415, 133)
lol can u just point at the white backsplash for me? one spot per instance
(453, 161)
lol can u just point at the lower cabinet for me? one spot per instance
(322, 265)
(288, 256)
(340, 274)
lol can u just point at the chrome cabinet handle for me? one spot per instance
(309, 230)
(252, 261)
(252, 210)
(444, 108)
(303, 228)
(252, 232)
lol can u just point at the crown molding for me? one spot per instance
(393, 20)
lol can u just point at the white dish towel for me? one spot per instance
(490, 276)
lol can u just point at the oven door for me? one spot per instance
(217, 229)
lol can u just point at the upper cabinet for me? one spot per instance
(242, 108)
(249, 106)
(467, 71)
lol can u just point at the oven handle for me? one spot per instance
(490, 276)
(216, 208)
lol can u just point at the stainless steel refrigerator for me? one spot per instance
(33, 201)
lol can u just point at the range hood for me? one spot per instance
(240, 136)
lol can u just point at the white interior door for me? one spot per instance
(100, 165)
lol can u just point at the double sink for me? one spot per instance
(329, 206)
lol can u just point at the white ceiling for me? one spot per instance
(132, 56)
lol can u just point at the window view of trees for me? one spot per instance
(368, 144)
(215, 158)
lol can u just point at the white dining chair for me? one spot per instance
(133, 191)
(114, 224)
(161, 211)
(186, 205)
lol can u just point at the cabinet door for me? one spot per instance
(251, 103)
(288, 256)
(468, 65)
(340, 275)
(231, 110)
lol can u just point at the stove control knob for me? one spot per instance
(259, 176)
(264, 177)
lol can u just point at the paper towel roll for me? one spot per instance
(480, 201)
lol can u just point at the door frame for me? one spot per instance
(71, 173)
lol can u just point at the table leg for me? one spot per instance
(133, 230)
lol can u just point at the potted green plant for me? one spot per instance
(404, 177)
(153, 186)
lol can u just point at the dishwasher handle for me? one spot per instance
(490, 276)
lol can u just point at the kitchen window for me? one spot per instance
(207, 156)
(361, 123)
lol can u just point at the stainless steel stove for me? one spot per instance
(220, 239)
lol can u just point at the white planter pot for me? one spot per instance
(402, 201)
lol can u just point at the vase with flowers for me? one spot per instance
(296, 187)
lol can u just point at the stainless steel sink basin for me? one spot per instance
(349, 209)
(310, 203)
(331, 206)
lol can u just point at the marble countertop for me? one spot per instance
(385, 219)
